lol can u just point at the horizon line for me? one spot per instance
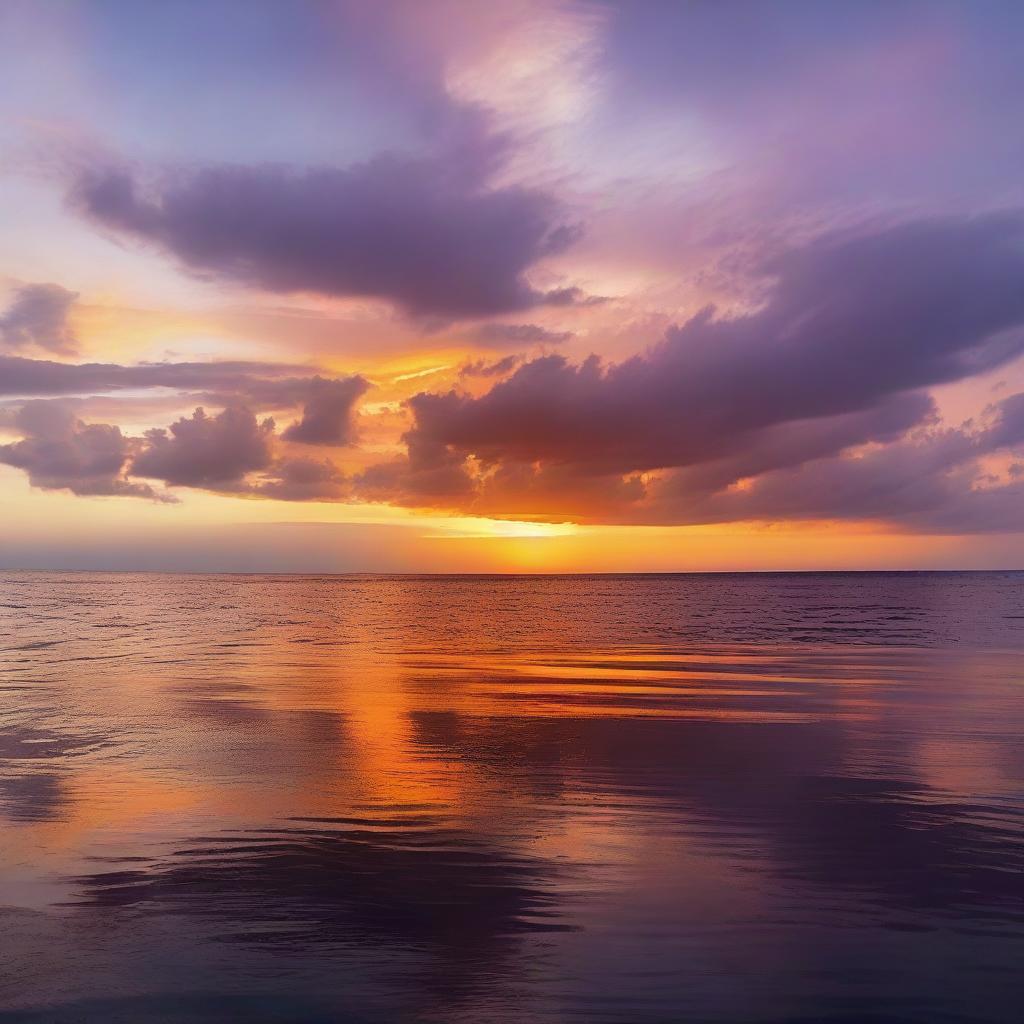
(541, 575)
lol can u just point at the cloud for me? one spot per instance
(813, 405)
(855, 327)
(851, 321)
(328, 412)
(934, 480)
(914, 102)
(216, 452)
(38, 317)
(304, 480)
(1008, 429)
(497, 368)
(859, 467)
(21, 377)
(428, 475)
(229, 452)
(499, 335)
(794, 443)
(557, 492)
(427, 234)
(562, 491)
(328, 403)
(60, 452)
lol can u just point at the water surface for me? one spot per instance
(531, 799)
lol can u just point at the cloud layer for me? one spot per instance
(852, 331)
(849, 322)
(230, 451)
(814, 405)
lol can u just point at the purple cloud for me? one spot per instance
(304, 480)
(427, 234)
(500, 335)
(838, 356)
(497, 368)
(24, 378)
(216, 452)
(931, 481)
(38, 316)
(831, 104)
(429, 474)
(577, 491)
(851, 321)
(328, 404)
(748, 417)
(60, 452)
(328, 412)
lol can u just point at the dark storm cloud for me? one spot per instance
(850, 322)
(426, 234)
(60, 452)
(328, 412)
(38, 316)
(207, 451)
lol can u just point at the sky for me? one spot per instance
(435, 285)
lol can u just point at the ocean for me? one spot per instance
(712, 798)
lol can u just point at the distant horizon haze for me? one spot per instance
(329, 548)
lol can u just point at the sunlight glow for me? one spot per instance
(469, 527)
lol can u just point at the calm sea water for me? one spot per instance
(537, 799)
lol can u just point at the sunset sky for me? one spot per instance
(442, 285)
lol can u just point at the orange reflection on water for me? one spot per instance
(446, 792)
